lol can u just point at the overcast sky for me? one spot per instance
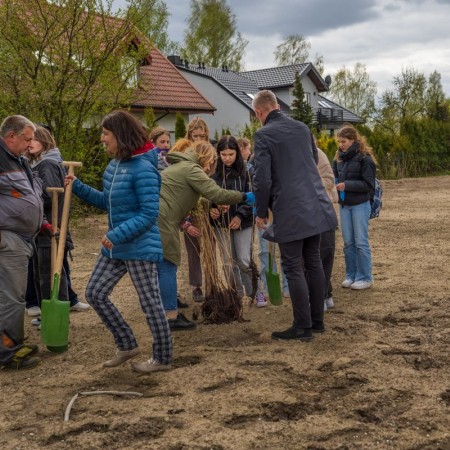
(385, 35)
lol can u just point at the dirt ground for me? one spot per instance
(377, 379)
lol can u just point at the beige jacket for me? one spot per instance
(327, 175)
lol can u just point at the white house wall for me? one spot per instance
(285, 93)
(231, 113)
(167, 122)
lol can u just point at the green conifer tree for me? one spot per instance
(301, 109)
(180, 126)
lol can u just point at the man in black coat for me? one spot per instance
(287, 182)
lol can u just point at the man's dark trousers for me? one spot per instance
(307, 299)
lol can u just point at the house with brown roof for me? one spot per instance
(163, 87)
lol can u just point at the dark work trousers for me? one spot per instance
(193, 253)
(307, 298)
(327, 249)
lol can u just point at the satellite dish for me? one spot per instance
(328, 80)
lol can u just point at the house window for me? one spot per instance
(307, 97)
(324, 104)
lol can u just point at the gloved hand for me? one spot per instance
(46, 229)
(249, 197)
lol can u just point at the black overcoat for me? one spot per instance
(287, 181)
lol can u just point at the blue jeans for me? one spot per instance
(167, 274)
(264, 262)
(355, 232)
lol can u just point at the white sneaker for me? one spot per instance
(80, 306)
(347, 283)
(325, 306)
(34, 311)
(260, 299)
(329, 303)
(361, 284)
(150, 366)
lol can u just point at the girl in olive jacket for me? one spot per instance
(183, 182)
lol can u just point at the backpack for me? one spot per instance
(376, 202)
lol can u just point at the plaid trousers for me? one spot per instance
(144, 275)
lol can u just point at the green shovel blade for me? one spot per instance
(273, 285)
(55, 321)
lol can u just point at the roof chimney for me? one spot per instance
(175, 60)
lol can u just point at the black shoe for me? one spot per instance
(318, 327)
(181, 304)
(197, 295)
(18, 363)
(298, 334)
(181, 323)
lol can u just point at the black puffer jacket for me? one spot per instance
(357, 171)
(234, 182)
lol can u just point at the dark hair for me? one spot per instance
(230, 143)
(129, 132)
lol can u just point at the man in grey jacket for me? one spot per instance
(287, 182)
(21, 214)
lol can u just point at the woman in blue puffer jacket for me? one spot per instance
(130, 195)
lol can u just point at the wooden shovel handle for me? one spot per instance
(65, 217)
(54, 191)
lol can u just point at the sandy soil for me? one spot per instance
(377, 379)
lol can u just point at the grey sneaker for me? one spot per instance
(329, 303)
(150, 366)
(121, 357)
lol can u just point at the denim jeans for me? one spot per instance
(264, 262)
(167, 274)
(355, 232)
(236, 250)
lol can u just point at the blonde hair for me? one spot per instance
(349, 132)
(180, 146)
(194, 124)
(205, 154)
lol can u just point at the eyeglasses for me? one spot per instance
(198, 136)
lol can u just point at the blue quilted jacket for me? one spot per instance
(131, 197)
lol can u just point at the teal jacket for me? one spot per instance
(131, 197)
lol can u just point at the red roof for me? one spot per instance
(163, 87)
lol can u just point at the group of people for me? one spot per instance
(150, 193)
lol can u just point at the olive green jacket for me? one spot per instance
(183, 182)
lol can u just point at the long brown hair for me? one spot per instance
(129, 132)
(349, 132)
(44, 137)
